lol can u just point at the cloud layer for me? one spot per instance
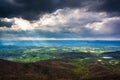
(32, 9)
(63, 23)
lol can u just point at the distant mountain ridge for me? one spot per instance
(61, 43)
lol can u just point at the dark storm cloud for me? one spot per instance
(111, 6)
(31, 9)
(5, 24)
(28, 9)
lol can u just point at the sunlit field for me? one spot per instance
(90, 62)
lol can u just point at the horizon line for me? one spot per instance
(63, 39)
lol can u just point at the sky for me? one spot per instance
(59, 19)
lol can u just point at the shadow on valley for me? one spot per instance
(71, 66)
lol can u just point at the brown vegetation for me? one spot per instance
(52, 70)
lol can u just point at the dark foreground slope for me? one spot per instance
(60, 69)
(44, 70)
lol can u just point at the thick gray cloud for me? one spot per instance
(31, 9)
(62, 24)
(59, 19)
